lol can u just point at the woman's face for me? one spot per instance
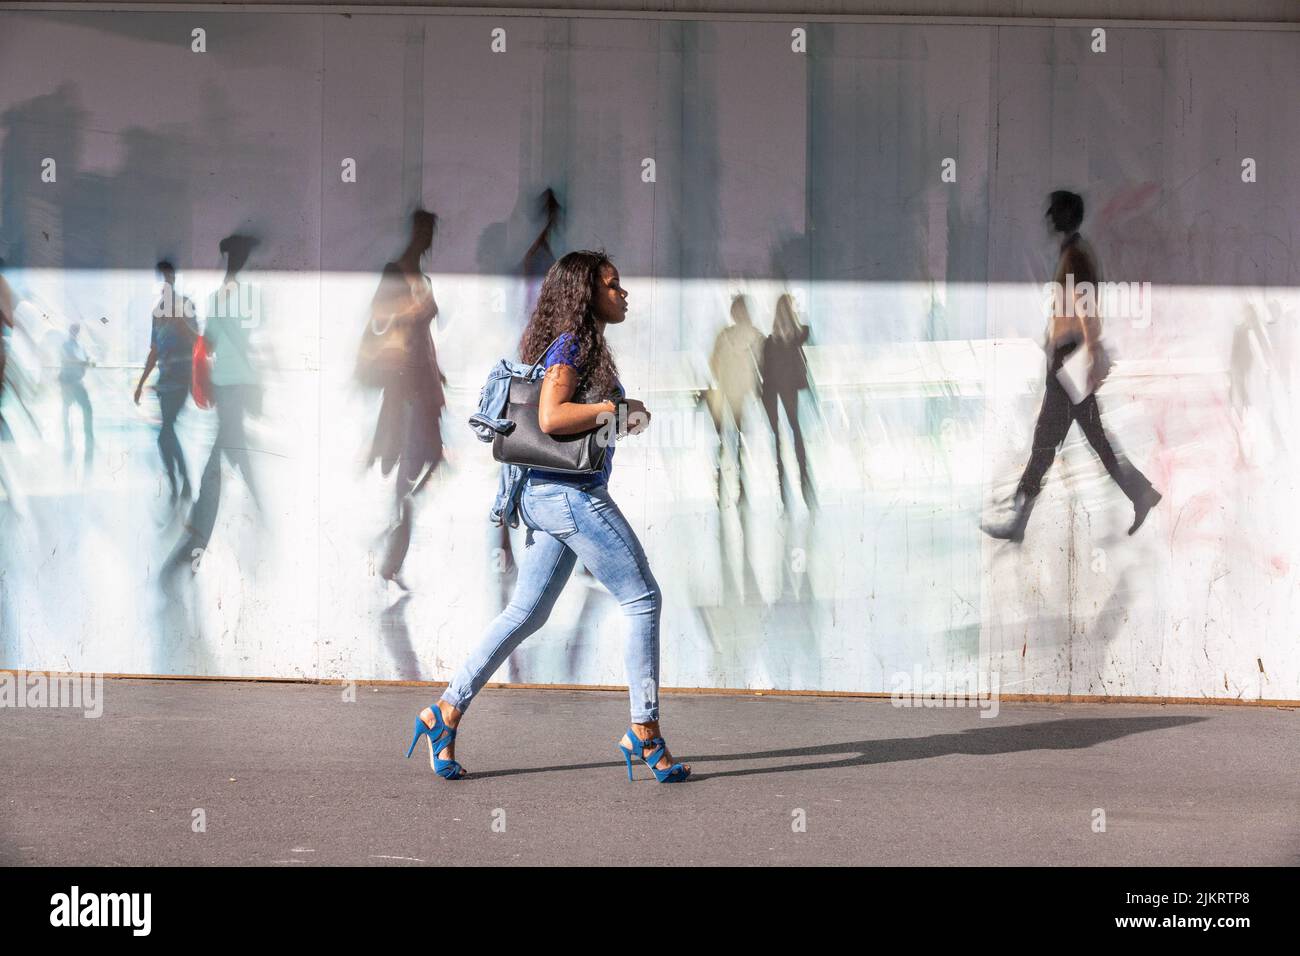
(609, 304)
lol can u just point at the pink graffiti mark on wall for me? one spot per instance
(1127, 201)
(1207, 458)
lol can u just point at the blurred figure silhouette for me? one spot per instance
(22, 359)
(236, 382)
(232, 313)
(1257, 382)
(785, 374)
(735, 367)
(72, 373)
(397, 355)
(1073, 325)
(20, 368)
(171, 349)
(737, 373)
(397, 638)
(539, 258)
(6, 323)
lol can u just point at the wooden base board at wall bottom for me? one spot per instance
(719, 691)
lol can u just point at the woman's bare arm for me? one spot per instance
(556, 415)
(149, 364)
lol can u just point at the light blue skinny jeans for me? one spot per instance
(573, 519)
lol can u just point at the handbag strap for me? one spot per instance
(392, 316)
(545, 351)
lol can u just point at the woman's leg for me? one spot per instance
(544, 567)
(608, 546)
(606, 543)
(790, 401)
(770, 398)
(398, 539)
(232, 405)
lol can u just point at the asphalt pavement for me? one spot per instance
(237, 773)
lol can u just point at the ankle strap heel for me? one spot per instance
(677, 773)
(440, 738)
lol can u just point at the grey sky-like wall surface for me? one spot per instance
(823, 165)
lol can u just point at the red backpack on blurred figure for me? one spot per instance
(201, 379)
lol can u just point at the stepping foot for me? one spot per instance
(448, 751)
(637, 745)
(1142, 507)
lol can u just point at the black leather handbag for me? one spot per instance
(527, 446)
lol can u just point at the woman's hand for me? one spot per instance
(638, 417)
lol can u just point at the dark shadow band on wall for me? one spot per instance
(699, 146)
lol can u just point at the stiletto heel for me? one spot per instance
(420, 728)
(627, 755)
(677, 773)
(440, 737)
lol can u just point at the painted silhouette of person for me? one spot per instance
(1073, 326)
(736, 365)
(72, 386)
(785, 374)
(6, 323)
(398, 354)
(236, 393)
(171, 348)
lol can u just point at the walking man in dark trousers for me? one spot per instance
(1075, 324)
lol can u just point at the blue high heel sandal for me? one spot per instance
(440, 737)
(674, 774)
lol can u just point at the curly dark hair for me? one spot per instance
(564, 305)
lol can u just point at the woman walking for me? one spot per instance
(573, 517)
(785, 374)
(397, 353)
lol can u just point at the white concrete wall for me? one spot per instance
(816, 174)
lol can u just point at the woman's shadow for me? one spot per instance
(1069, 734)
